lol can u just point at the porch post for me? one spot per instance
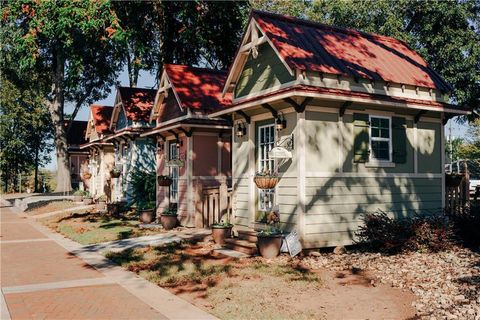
(190, 206)
(300, 154)
(251, 171)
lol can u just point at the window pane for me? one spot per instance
(384, 123)
(380, 150)
(384, 133)
(375, 132)
(374, 122)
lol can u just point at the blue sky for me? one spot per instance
(148, 80)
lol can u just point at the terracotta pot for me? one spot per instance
(115, 174)
(164, 182)
(219, 234)
(77, 198)
(168, 221)
(269, 246)
(87, 201)
(100, 205)
(147, 215)
(87, 175)
(265, 182)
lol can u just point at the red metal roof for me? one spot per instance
(137, 102)
(76, 134)
(101, 117)
(198, 88)
(311, 46)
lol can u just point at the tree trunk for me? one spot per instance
(35, 179)
(56, 111)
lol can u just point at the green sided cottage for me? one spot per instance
(357, 118)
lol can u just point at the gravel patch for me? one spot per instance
(447, 284)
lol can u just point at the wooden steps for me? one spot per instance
(240, 245)
(248, 235)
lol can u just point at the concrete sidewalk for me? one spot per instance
(46, 276)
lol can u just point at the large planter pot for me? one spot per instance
(77, 198)
(87, 175)
(220, 233)
(164, 181)
(87, 201)
(269, 245)
(265, 182)
(100, 205)
(147, 215)
(168, 221)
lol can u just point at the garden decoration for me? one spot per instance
(270, 239)
(266, 179)
(164, 181)
(221, 231)
(168, 218)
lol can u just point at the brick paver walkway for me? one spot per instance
(42, 279)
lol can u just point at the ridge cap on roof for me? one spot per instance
(196, 68)
(315, 24)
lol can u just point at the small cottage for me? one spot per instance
(101, 153)
(352, 122)
(130, 118)
(192, 149)
(78, 158)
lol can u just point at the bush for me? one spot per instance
(381, 233)
(467, 226)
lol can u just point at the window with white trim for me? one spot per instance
(266, 141)
(380, 138)
(173, 154)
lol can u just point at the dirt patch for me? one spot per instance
(255, 288)
(51, 206)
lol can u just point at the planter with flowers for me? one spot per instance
(221, 231)
(266, 179)
(115, 172)
(168, 218)
(270, 239)
(164, 181)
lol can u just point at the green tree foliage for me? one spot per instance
(67, 49)
(26, 134)
(452, 148)
(445, 33)
(470, 149)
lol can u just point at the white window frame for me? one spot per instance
(264, 193)
(174, 172)
(371, 159)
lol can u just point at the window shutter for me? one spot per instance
(399, 140)
(361, 148)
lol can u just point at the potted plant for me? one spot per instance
(78, 195)
(168, 218)
(87, 175)
(115, 172)
(164, 181)
(269, 240)
(101, 203)
(87, 198)
(220, 231)
(266, 179)
(146, 211)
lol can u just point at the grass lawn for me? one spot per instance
(255, 288)
(89, 228)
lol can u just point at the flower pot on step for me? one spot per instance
(147, 215)
(220, 233)
(269, 245)
(168, 221)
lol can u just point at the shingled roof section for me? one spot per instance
(311, 46)
(137, 102)
(101, 118)
(76, 134)
(198, 88)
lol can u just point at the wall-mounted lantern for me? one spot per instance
(241, 129)
(281, 122)
(178, 143)
(159, 146)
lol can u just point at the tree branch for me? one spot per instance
(78, 105)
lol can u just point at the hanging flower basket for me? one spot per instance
(164, 181)
(265, 180)
(87, 175)
(115, 173)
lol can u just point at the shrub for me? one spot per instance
(79, 193)
(381, 233)
(467, 225)
(87, 195)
